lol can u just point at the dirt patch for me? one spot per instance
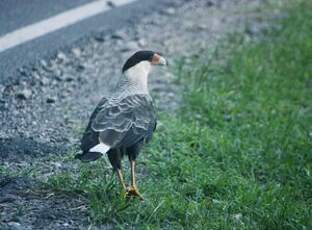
(24, 206)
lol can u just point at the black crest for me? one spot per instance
(143, 55)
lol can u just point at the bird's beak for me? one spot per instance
(162, 61)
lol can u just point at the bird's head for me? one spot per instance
(143, 60)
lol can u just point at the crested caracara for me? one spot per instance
(124, 121)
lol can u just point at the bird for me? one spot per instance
(123, 122)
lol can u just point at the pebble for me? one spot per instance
(99, 38)
(76, 52)
(24, 94)
(22, 71)
(170, 11)
(227, 117)
(61, 56)
(43, 63)
(15, 226)
(68, 77)
(120, 35)
(51, 100)
(202, 26)
(130, 46)
(256, 28)
(238, 216)
(142, 42)
(80, 68)
(44, 81)
(36, 75)
(210, 3)
(111, 4)
(2, 87)
(46, 66)
(57, 165)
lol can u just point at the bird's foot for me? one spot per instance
(132, 191)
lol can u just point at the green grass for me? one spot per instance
(238, 155)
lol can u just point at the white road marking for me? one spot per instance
(56, 22)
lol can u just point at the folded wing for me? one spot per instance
(121, 123)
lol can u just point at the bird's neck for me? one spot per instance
(136, 78)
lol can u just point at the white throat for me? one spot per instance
(138, 76)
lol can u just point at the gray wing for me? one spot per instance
(90, 137)
(125, 122)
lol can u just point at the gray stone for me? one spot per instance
(44, 81)
(130, 46)
(24, 94)
(142, 42)
(170, 11)
(111, 4)
(51, 100)
(210, 3)
(120, 35)
(76, 52)
(61, 56)
(256, 28)
(15, 226)
(43, 63)
(202, 27)
(99, 38)
(1, 89)
(81, 67)
(68, 77)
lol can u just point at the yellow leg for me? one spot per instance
(132, 190)
(121, 180)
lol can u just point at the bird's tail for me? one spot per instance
(93, 153)
(88, 156)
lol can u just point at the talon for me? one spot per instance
(133, 191)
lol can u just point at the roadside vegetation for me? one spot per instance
(238, 152)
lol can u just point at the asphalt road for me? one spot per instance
(16, 14)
